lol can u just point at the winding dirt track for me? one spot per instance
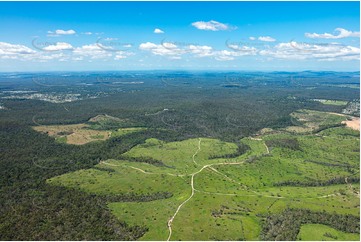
(193, 190)
(199, 148)
(34, 121)
(142, 171)
(170, 221)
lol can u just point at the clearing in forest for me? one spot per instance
(219, 194)
(101, 127)
(354, 123)
(307, 121)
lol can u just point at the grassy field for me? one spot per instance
(306, 121)
(76, 134)
(331, 102)
(79, 134)
(226, 198)
(322, 232)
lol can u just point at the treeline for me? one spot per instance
(212, 112)
(144, 159)
(133, 197)
(33, 210)
(57, 213)
(241, 149)
(106, 169)
(328, 126)
(328, 164)
(289, 143)
(318, 183)
(286, 225)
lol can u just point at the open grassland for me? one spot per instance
(217, 196)
(331, 102)
(320, 232)
(306, 121)
(99, 128)
(76, 134)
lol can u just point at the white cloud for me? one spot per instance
(65, 52)
(245, 49)
(147, 46)
(13, 49)
(97, 51)
(79, 58)
(164, 49)
(201, 50)
(339, 34)
(87, 33)
(64, 32)
(94, 51)
(158, 31)
(212, 25)
(119, 57)
(24, 53)
(305, 51)
(122, 55)
(110, 39)
(220, 55)
(226, 55)
(175, 57)
(61, 32)
(266, 39)
(58, 46)
(252, 38)
(172, 51)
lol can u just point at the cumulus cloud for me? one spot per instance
(97, 51)
(58, 46)
(122, 55)
(158, 31)
(61, 32)
(266, 39)
(212, 26)
(24, 53)
(172, 51)
(64, 32)
(252, 38)
(87, 33)
(201, 50)
(339, 34)
(164, 49)
(78, 58)
(119, 57)
(94, 51)
(64, 52)
(13, 49)
(303, 51)
(242, 48)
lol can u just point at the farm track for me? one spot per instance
(199, 148)
(156, 113)
(211, 167)
(142, 171)
(34, 121)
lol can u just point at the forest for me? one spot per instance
(190, 105)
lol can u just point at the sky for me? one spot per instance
(244, 36)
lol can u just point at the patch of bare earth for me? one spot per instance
(353, 124)
(76, 134)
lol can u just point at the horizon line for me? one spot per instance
(174, 70)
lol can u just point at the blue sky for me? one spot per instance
(264, 36)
